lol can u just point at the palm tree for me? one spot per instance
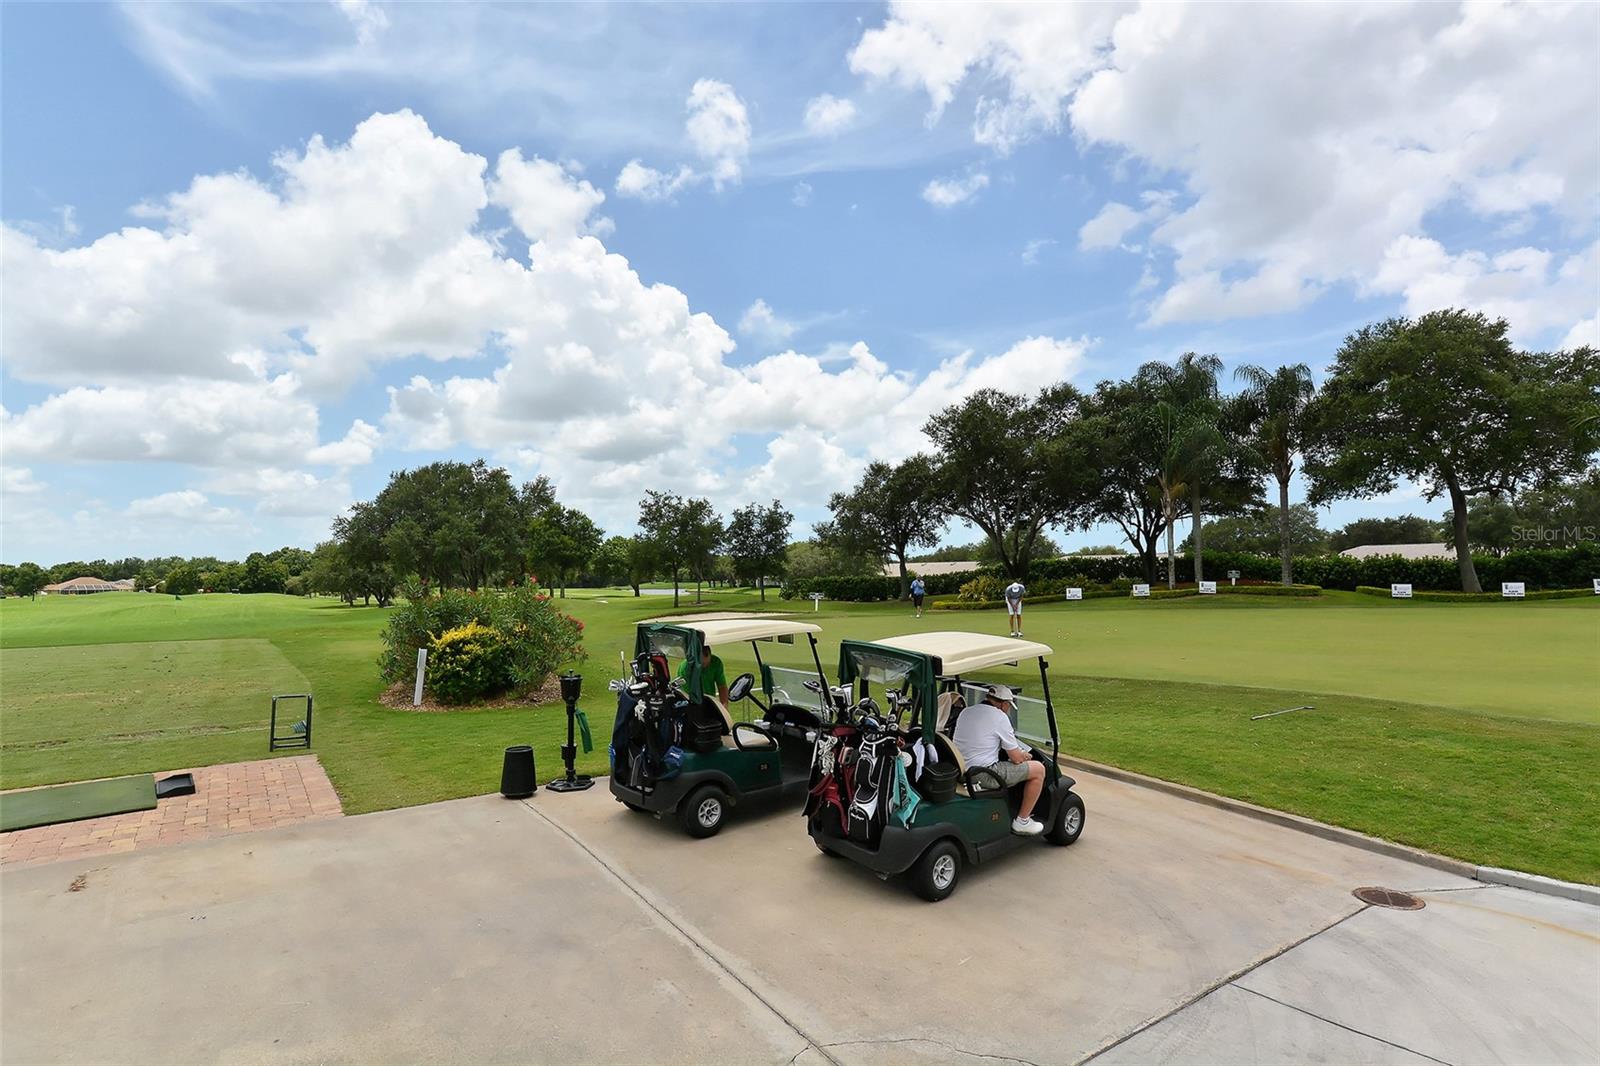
(1187, 412)
(1276, 401)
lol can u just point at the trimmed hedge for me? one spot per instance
(857, 589)
(1239, 590)
(990, 605)
(869, 588)
(1538, 568)
(1480, 597)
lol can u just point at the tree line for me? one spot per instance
(1444, 401)
(468, 525)
(282, 570)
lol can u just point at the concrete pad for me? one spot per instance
(1231, 1025)
(1491, 975)
(1047, 955)
(459, 932)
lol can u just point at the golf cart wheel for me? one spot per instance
(935, 875)
(702, 812)
(1068, 822)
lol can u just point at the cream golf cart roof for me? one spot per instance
(737, 628)
(960, 652)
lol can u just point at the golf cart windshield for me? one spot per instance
(953, 654)
(670, 638)
(677, 644)
(894, 669)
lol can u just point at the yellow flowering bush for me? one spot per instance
(469, 662)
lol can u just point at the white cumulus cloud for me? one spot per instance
(760, 321)
(1339, 131)
(719, 129)
(185, 507)
(827, 115)
(948, 192)
(215, 343)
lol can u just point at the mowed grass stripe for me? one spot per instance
(78, 706)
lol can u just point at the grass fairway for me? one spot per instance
(1530, 660)
(1468, 729)
(71, 710)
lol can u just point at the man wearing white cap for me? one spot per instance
(986, 740)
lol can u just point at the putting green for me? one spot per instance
(71, 803)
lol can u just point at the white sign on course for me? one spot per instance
(1141, 590)
(1077, 594)
(1513, 590)
(816, 602)
(1233, 577)
(1597, 586)
(1400, 592)
(422, 668)
(1208, 588)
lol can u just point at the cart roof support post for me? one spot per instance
(1049, 708)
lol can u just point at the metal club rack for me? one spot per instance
(299, 735)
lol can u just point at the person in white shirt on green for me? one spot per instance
(1014, 593)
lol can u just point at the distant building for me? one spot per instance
(1405, 551)
(80, 586)
(930, 569)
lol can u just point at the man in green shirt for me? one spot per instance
(713, 678)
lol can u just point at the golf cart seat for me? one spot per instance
(950, 705)
(793, 721)
(987, 783)
(741, 735)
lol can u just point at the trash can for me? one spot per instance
(517, 776)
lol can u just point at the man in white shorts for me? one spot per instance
(985, 739)
(1014, 593)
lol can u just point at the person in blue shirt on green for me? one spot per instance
(713, 678)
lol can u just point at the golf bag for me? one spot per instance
(873, 783)
(827, 794)
(646, 731)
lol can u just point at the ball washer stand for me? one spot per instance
(571, 688)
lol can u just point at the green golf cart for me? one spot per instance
(678, 752)
(860, 806)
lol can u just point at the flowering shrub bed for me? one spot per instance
(509, 640)
(469, 662)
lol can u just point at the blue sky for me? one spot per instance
(256, 257)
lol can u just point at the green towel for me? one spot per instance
(583, 728)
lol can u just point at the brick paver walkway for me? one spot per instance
(232, 798)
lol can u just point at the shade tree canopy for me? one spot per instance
(891, 510)
(1014, 466)
(561, 541)
(1447, 402)
(757, 542)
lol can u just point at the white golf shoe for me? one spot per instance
(1026, 827)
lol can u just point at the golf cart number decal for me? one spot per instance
(994, 816)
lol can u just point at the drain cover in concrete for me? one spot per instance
(1389, 897)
